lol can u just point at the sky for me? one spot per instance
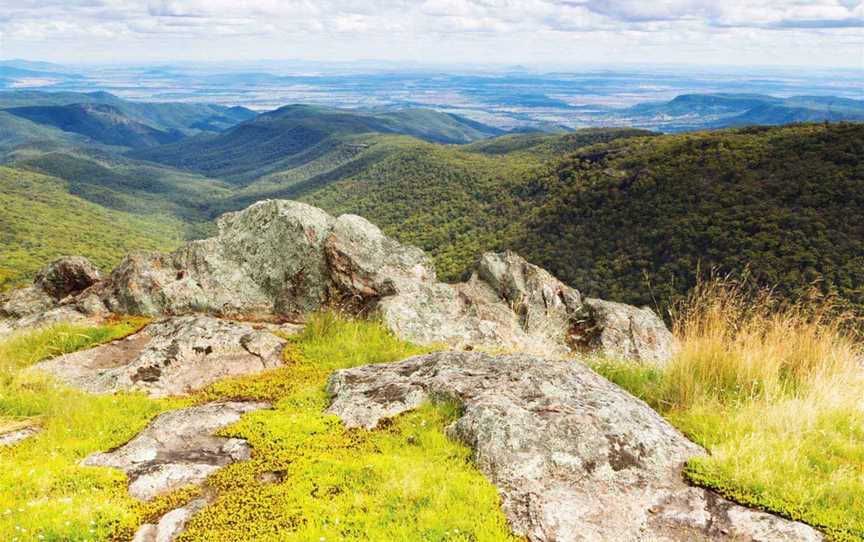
(824, 33)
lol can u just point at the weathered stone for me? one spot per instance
(574, 457)
(67, 276)
(11, 438)
(266, 260)
(172, 524)
(280, 260)
(178, 448)
(366, 265)
(170, 357)
(621, 330)
(25, 302)
(510, 304)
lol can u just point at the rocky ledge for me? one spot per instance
(574, 457)
(279, 260)
(170, 357)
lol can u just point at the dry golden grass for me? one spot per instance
(775, 392)
(741, 344)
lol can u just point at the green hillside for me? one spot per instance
(782, 202)
(635, 219)
(40, 221)
(188, 118)
(618, 213)
(123, 184)
(100, 122)
(280, 139)
(17, 131)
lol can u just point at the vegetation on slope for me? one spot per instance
(41, 221)
(773, 391)
(454, 202)
(126, 185)
(100, 122)
(262, 145)
(404, 481)
(636, 220)
(166, 116)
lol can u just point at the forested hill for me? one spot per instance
(635, 219)
(784, 202)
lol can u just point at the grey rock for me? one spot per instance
(509, 304)
(42, 303)
(365, 265)
(172, 524)
(17, 436)
(67, 276)
(279, 260)
(25, 302)
(266, 260)
(621, 330)
(575, 458)
(178, 448)
(170, 357)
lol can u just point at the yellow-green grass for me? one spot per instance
(44, 493)
(776, 394)
(404, 481)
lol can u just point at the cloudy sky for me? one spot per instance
(533, 32)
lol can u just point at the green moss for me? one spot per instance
(309, 477)
(312, 479)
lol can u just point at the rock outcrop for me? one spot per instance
(279, 260)
(67, 276)
(575, 457)
(178, 448)
(172, 524)
(42, 302)
(170, 357)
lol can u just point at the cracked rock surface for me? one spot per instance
(575, 458)
(19, 435)
(170, 357)
(179, 448)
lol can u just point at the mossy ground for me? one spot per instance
(310, 478)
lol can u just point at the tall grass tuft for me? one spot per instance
(775, 392)
(740, 344)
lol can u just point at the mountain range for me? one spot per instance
(623, 213)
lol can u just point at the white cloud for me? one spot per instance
(792, 31)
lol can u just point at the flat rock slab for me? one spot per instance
(170, 357)
(575, 458)
(12, 438)
(179, 448)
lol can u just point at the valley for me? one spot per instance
(621, 212)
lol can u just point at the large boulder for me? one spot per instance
(170, 357)
(616, 329)
(49, 299)
(575, 458)
(266, 260)
(67, 276)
